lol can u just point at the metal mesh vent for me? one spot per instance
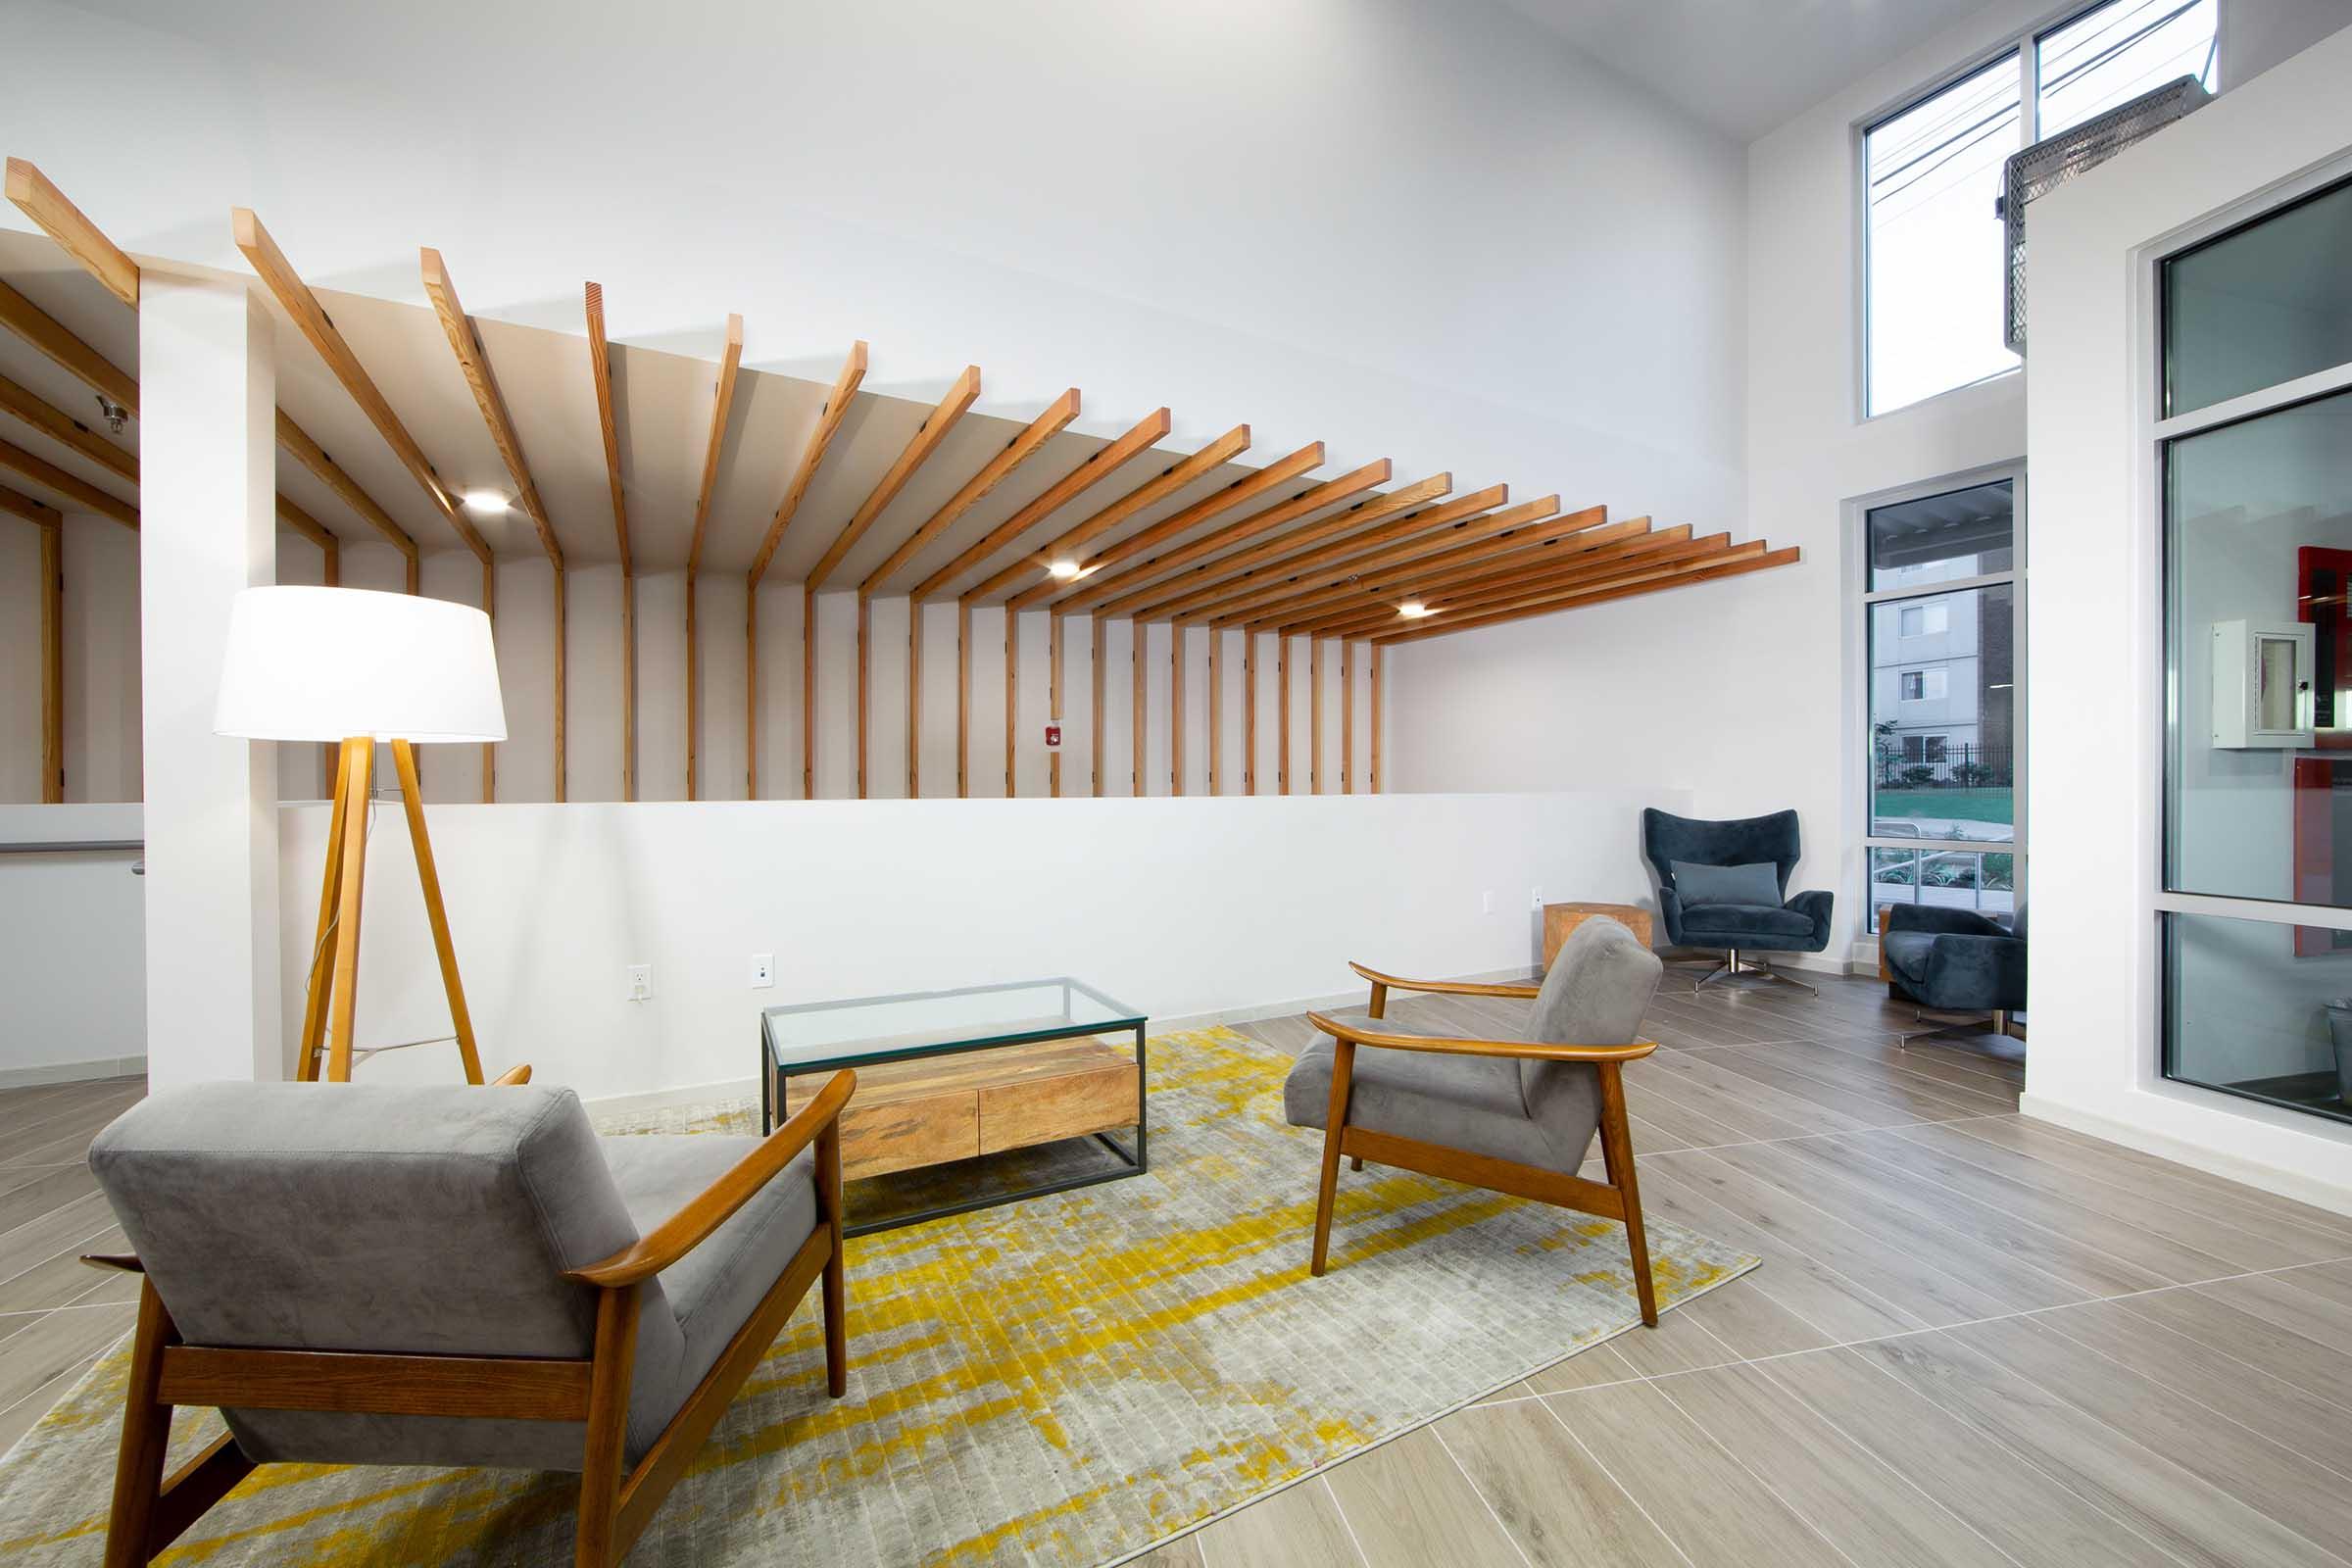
(2050, 163)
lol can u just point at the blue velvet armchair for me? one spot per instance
(1955, 961)
(1799, 924)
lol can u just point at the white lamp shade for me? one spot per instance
(324, 663)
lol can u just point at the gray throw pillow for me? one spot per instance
(1756, 883)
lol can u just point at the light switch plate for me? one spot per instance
(763, 970)
(641, 982)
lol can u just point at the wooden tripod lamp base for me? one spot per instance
(335, 961)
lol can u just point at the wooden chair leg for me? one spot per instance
(1355, 1162)
(1342, 1073)
(1617, 1155)
(837, 1305)
(146, 1433)
(616, 1360)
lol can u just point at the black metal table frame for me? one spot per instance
(774, 1076)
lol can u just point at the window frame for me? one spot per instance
(2023, 42)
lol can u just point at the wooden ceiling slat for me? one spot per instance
(1575, 599)
(925, 441)
(607, 419)
(1230, 575)
(302, 523)
(1599, 567)
(298, 301)
(1365, 513)
(312, 455)
(1017, 450)
(730, 360)
(836, 408)
(64, 222)
(49, 476)
(1151, 570)
(1519, 550)
(1223, 450)
(473, 359)
(45, 332)
(1541, 518)
(31, 511)
(1241, 492)
(62, 427)
(1294, 569)
(1097, 467)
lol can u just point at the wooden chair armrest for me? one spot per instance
(1450, 988)
(1538, 1050)
(692, 1225)
(518, 1074)
(127, 1262)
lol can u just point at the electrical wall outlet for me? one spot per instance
(1535, 900)
(763, 970)
(641, 982)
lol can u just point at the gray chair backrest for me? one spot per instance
(1596, 993)
(365, 1217)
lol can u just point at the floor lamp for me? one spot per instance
(348, 666)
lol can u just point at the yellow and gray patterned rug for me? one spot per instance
(1065, 1380)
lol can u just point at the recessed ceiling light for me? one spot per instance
(1415, 610)
(486, 503)
(1065, 569)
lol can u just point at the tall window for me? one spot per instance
(2255, 438)
(1941, 621)
(1932, 172)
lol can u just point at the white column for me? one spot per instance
(208, 465)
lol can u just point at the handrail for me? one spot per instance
(70, 846)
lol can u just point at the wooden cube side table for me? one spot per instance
(1561, 919)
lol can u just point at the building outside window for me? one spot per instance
(1942, 612)
(1932, 170)
(2253, 438)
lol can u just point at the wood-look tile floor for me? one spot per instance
(1976, 1339)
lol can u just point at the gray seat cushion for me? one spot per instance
(1734, 922)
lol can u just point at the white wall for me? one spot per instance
(2093, 619)
(1178, 906)
(72, 946)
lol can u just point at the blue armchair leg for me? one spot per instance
(1733, 966)
(1997, 1023)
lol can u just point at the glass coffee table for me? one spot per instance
(945, 1076)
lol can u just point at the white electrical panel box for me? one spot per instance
(2262, 697)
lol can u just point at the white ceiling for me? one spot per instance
(1746, 66)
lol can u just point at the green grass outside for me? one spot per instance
(1951, 805)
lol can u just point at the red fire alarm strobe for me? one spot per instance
(1054, 735)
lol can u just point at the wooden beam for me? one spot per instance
(730, 360)
(1241, 492)
(310, 317)
(1478, 566)
(1053, 701)
(474, 361)
(1346, 718)
(62, 427)
(628, 686)
(807, 695)
(302, 523)
(1175, 709)
(1095, 734)
(865, 676)
(52, 665)
(914, 701)
(559, 747)
(1314, 715)
(38, 512)
(1012, 694)
(1282, 694)
(693, 694)
(1149, 493)
(489, 748)
(1138, 728)
(1539, 518)
(1216, 704)
(1379, 613)
(86, 496)
(829, 414)
(44, 331)
(1374, 680)
(1097, 467)
(293, 439)
(1151, 570)
(1248, 708)
(750, 692)
(1017, 450)
(1703, 570)
(963, 696)
(608, 419)
(925, 441)
(1160, 598)
(64, 222)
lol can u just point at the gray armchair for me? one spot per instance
(359, 1274)
(1954, 960)
(1513, 1116)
